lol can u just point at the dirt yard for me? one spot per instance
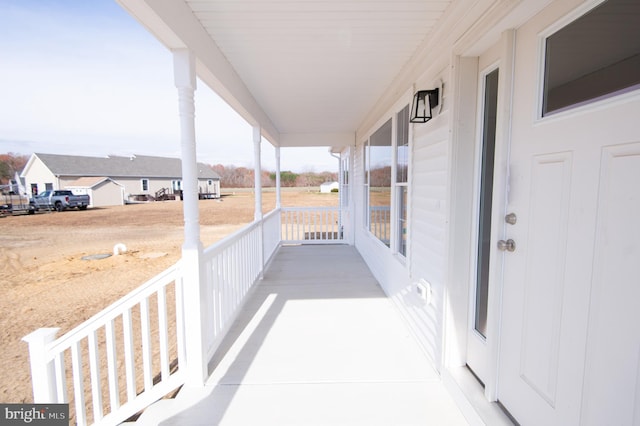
(44, 281)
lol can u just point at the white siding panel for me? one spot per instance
(429, 207)
(428, 231)
(428, 248)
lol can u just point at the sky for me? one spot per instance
(82, 77)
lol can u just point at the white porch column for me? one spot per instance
(257, 138)
(278, 191)
(192, 269)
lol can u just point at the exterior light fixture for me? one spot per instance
(423, 102)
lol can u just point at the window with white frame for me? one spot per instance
(402, 178)
(344, 190)
(145, 184)
(365, 194)
(380, 163)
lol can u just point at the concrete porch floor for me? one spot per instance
(318, 343)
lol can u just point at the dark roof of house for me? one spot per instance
(141, 166)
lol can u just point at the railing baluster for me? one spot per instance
(61, 378)
(145, 328)
(127, 327)
(78, 384)
(327, 224)
(180, 331)
(324, 222)
(163, 334)
(215, 268)
(235, 250)
(226, 298)
(112, 371)
(94, 368)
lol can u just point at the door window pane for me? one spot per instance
(486, 193)
(596, 55)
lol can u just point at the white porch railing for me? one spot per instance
(136, 347)
(135, 351)
(311, 225)
(232, 266)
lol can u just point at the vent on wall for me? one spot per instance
(423, 287)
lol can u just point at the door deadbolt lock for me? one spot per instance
(508, 245)
(511, 218)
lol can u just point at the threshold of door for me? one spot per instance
(468, 393)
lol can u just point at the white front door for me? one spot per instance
(570, 322)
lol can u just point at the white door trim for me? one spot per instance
(500, 199)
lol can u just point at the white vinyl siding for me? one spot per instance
(429, 213)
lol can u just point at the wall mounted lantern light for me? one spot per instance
(423, 102)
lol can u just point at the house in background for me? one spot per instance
(115, 180)
(490, 160)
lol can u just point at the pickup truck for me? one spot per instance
(60, 200)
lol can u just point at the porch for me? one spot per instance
(317, 342)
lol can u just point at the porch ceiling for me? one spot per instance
(307, 71)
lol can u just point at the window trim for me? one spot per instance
(398, 186)
(144, 182)
(365, 185)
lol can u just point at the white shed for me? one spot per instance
(329, 186)
(102, 191)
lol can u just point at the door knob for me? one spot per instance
(508, 245)
(511, 218)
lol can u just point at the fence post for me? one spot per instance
(43, 374)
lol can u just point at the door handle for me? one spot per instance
(508, 245)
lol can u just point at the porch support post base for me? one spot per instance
(43, 377)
